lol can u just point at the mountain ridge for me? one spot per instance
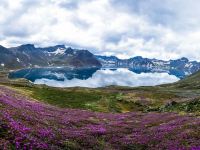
(27, 55)
(182, 64)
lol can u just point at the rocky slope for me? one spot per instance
(29, 56)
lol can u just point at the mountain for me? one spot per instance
(138, 63)
(29, 56)
(26, 56)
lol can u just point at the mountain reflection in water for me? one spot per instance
(94, 77)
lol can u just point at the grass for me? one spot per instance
(190, 82)
(81, 98)
(189, 107)
(100, 130)
(100, 100)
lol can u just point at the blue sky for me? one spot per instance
(164, 29)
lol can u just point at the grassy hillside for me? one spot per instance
(40, 117)
(190, 82)
(29, 124)
(110, 99)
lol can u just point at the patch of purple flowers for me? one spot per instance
(28, 124)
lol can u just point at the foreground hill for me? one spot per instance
(29, 56)
(30, 124)
(191, 82)
(41, 117)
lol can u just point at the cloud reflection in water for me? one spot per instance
(106, 77)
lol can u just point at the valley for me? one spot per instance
(37, 116)
(99, 75)
(111, 117)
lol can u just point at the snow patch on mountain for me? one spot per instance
(59, 51)
(189, 65)
(18, 60)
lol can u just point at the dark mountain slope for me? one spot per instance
(29, 56)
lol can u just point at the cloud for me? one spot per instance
(150, 28)
(122, 77)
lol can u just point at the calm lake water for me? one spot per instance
(93, 77)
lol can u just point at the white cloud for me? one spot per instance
(151, 28)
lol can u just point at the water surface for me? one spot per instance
(94, 77)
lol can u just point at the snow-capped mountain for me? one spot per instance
(29, 56)
(139, 62)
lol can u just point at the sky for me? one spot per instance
(162, 29)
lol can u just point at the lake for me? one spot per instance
(95, 77)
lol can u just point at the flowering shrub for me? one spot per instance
(28, 124)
